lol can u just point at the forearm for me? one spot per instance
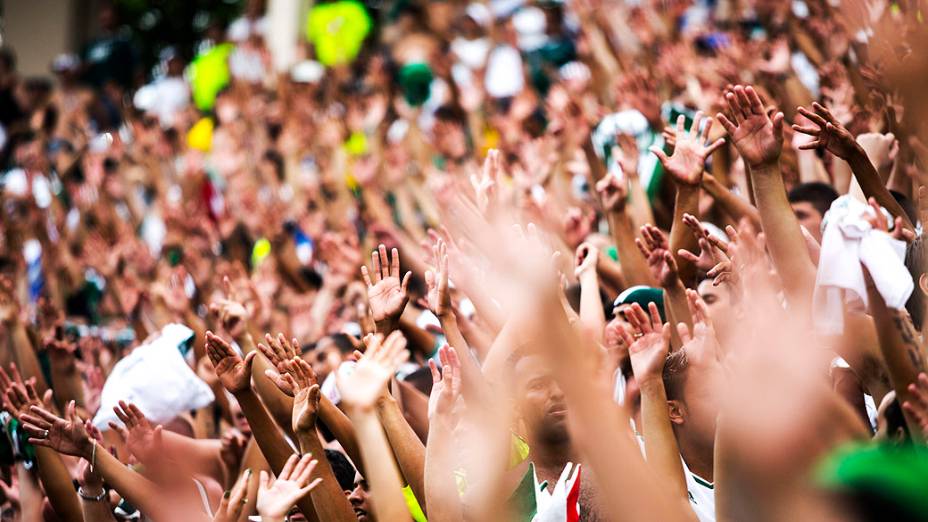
(634, 268)
(340, 426)
(872, 186)
(96, 510)
(383, 477)
(56, 481)
(25, 357)
(264, 430)
(407, 448)
(66, 382)
(200, 454)
(591, 307)
(784, 238)
(733, 205)
(687, 202)
(30, 495)
(639, 207)
(441, 492)
(135, 488)
(902, 352)
(328, 500)
(661, 449)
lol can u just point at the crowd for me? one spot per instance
(531, 260)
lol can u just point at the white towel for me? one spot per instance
(848, 241)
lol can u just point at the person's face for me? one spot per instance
(325, 359)
(541, 401)
(696, 412)
(238, 418)
(718, 300)
(360, 499)
(808, 217)
(450, 140)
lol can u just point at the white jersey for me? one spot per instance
(701, 493)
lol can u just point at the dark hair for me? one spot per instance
(916, 260)
(451, 114)
(820, 195)
(277, 160)
(907, 205)
(341, 468)
(674, 374)
(895, 420)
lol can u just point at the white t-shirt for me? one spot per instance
(701, 493)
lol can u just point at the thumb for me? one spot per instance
(47, 399)
(249, 360)
(657, 151)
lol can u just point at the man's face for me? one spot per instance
(450, 140)
(325, 359)
(808, 217)
(718, 300)
(360, 499)
(541, 401)
(700, 400)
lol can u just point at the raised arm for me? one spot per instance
(685, 167)
(648, 350)
(360, 390)
(759, 140)
(830, 135)
(614, 193)
(591, 307)
(440, 488)
(386, 293)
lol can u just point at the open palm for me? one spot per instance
(386, 293)
(234, 373)
(369, 379)
(757, 136)
(65, 435)
(690, 151)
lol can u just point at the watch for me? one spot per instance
(93, 498)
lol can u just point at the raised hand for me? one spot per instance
(438, 296)
(711, 248)
(690, 151)
(232, 449)
(66, 435)
(613, 191)
(9, 305)
(485, 185)
(302, 380)
(757, 136)
(626, 151)
(701, 342)
(18, 395)
(585, 260)
(446, 383)
(386, 293)
(278, 352)
(650, 343)
(142, 439)
(361, 388)
(656, 250)
(917, 407)
(276, 497)
(828, 132)
(233, 501)
(234, 373)
(231, 312)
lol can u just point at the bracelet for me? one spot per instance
(93, 498)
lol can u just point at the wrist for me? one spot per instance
(651, 383)
(92, 493)
(765, 166)
(588, 276)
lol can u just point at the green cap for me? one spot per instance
(895, 474)
(642, 295)
(415, 81)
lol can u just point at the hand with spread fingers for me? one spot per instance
(690, 151)
(656, 250)
(649, 344)
(233, 501)
(446, 383)
(711, 248)
(142, 439)
(613, 191)
(277, 496)
(757, 136)
(361, 387)
(68, 435)
(18, 395)
(306, 394)
(438, 296)
(828, 133)
(234, 373)
(386, 293)
(279, 352)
